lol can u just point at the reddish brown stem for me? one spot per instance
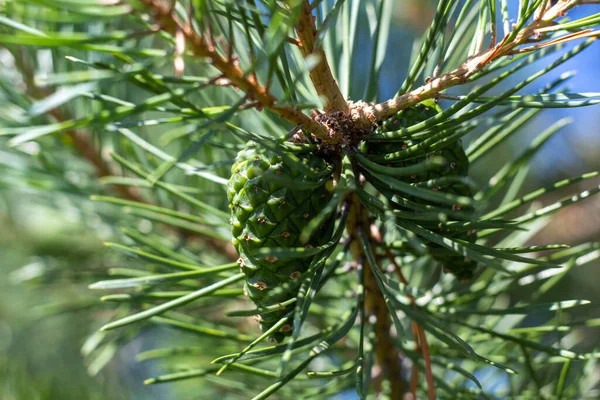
(427, 359)
(248, 83)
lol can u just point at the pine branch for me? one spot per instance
(88, 151)
(416, 231)
(475, 64)
(321, 75)
(201, 46)
(80, 141)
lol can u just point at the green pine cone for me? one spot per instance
(457, 164)
(271, 203)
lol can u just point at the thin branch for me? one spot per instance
(321, 75)
(386, 351)
(427, 359)
(475, 64)
(248, 83)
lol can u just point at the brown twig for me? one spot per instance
(321, 75)
(386, 352)
(475, 64)
(248, 83)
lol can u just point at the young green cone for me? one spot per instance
(456, 164)
(273, 196)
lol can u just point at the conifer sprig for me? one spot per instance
(160, 96)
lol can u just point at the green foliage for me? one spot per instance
(116, 101)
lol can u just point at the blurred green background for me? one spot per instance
(51, 245)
